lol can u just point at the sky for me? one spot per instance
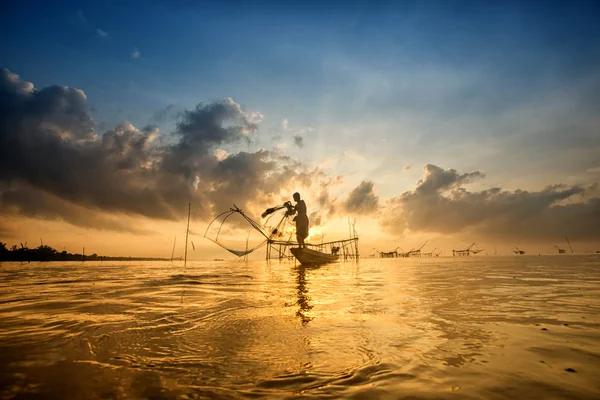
(450, 122)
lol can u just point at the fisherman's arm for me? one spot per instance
(291, 210)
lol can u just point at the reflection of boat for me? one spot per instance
(312, 257)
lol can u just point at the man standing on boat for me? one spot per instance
(301, 219)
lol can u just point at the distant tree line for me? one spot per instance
(47, 253)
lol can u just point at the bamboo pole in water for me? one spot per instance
(569, 244)
(187, 231)
(173, 252)
(247, 238)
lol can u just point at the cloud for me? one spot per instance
(220, 154)
(135, 54)
(362, 200)
(441, 204)
(54, 164)
(21, 198)
(101, 33)
(299, 141)
(326, 206)
(594, 171)
(438, 180)
(297, 133)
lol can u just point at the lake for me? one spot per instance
(434, 328)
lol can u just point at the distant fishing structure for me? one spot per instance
(388, 254)
(404, 254)
(563, 251)
(516, 250)
(432, 253)
(417, 252)
(467, 252)
(411, 253)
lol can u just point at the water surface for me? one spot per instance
(478, 327)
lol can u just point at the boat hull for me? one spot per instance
(312, 257)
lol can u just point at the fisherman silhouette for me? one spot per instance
(301, 218)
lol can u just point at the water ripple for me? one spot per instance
(495, 327)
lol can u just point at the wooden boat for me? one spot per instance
(312, 257)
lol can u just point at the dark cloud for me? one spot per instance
(440, 204)
(362, 200)
(51, 157)
(209, 125)
(438, 179)
(299, 141)
(25, 200)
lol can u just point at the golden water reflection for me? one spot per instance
(498, 327)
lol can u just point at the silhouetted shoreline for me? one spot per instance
(47, 253)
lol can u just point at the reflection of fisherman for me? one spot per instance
(301, 218)
(303, 297)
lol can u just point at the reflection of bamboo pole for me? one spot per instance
(187, 231)
(173, 252)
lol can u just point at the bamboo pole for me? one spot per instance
(187, 231)
(569, 244)
(173, 252)
(247, 238)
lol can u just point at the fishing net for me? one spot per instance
(475, 248)
(240, 234)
